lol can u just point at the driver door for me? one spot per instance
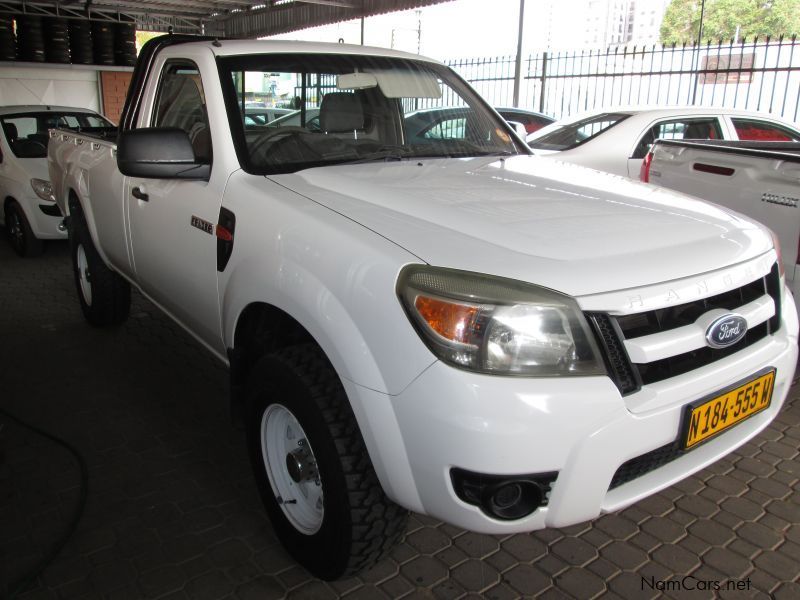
(172, 221)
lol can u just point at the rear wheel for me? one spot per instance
(312, 468)
(104, 295)
(20, 233)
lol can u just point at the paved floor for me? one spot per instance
(173, 512)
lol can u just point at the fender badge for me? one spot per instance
(202, 225)
(726, 331)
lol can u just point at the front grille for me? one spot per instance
(642, 465)
(611, 333)
(664, 319)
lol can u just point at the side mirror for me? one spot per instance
(518, 128)
(159, 153)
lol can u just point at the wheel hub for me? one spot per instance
(292, 469)
(301, 464)
(16, 228)
(84, 276)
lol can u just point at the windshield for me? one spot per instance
(351, 108)
(571, 135)
(26, 133)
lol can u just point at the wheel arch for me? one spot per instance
(372, 409)
(75, 206)
(9, 200)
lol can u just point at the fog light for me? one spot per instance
(504, 497)
(507, 495)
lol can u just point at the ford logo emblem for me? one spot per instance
(726, 331)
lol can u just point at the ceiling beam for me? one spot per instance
(329, 3)
(283, 17)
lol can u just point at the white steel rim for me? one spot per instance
(84, 276)
(302, 502)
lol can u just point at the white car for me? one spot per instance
(29, 211)
(617, 140)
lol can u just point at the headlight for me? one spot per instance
(496, 325)
(43, 189)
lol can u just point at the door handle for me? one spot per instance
(140, 194)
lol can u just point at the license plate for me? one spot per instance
(712, 417)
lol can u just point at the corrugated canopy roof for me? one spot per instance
(230, 18)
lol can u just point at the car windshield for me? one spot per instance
(354, 108)
(571, 135)
(27, 133)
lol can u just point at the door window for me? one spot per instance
(754, 130)
(180, 102)
(574, 134)
(678, 129)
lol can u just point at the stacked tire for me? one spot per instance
(80, 42)
(56, 32)
(125, 44)
(103, 42)
(8, 44)
(30, 38)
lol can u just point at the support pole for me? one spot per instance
(518, 62)
(543, 79)
(696, 57)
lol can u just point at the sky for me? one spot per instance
(452, 29)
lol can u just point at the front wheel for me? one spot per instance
(312, 468)
(104, 295)
(20, 234)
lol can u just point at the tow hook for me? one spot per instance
(63, 225)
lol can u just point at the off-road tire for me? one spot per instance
(20, 234)
(109, 300)
(360, 524)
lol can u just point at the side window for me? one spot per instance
(748, 129)
(68, 120)
(180, 102)
(23, 126)
(678, 129)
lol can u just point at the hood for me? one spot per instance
(554, 224)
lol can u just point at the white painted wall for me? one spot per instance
(68, 86)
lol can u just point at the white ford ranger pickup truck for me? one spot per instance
(422, 319)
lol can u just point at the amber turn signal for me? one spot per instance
(451, 320)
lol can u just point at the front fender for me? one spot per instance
(358, 344)
(333, 276)
(336, 279)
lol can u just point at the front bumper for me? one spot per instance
(45, 219)
(580, 428)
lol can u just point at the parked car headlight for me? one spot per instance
(496, 325)
(43, 189)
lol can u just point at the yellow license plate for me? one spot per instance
(714, 416)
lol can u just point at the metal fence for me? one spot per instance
(756, 75)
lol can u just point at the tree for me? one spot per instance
(145, 36)
(728, 19)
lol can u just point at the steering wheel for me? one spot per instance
(267, 145)
(276, 132)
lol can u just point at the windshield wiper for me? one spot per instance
(385, 156)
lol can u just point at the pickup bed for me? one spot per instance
(757, 179)
(423, 318)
